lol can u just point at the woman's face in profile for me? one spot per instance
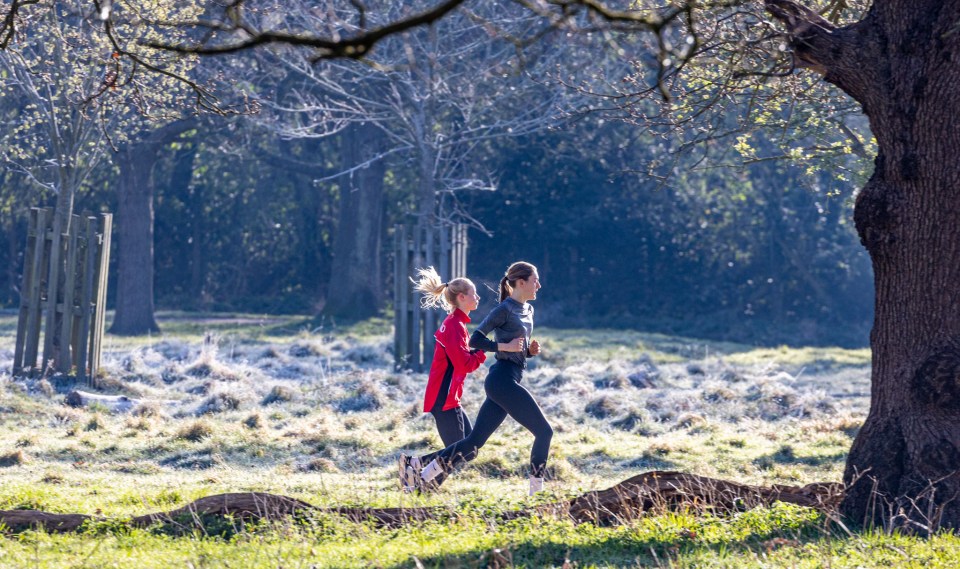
(528, 288)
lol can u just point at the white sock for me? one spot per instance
(431, 471)
(536, 485)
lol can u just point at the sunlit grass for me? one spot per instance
(803, 357)
(315, 411)
(779, 536)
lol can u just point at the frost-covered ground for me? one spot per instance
(321, 413)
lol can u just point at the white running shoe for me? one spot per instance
(408, 467)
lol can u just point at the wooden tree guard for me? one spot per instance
(65, 281)
(415, 247)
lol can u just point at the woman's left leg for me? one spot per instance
(520, 404)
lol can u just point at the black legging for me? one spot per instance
(505, 396)
(452, 424)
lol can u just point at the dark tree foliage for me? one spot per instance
(762, 255)
(245, 233)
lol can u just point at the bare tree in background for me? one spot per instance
(430, 103)
(92, 100)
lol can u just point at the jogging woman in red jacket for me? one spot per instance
(452, 358)
(511, 321)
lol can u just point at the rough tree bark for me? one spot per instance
(356, 288)
(901, 62)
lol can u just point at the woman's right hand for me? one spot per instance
(515, 345)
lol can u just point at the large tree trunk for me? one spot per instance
(356, 286)
(902, 63)
(134, 306)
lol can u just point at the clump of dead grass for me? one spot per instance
(367, 397)
(195, 431)
(320, 464)
(280, 394)
(220, 402)
(254, 421)
(602, 407)
(13, 458)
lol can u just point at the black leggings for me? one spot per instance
(452, 424)
(505, 396)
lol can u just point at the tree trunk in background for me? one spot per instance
(134, 305)
(356, 284)
(902, 63)
(426, 157)
(134, 230)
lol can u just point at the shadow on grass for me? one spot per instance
(786, 455)
(682, 547)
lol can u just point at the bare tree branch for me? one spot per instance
(8, 28)
(330, 48)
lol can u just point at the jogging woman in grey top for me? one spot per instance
(511, 319)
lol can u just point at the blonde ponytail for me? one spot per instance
(436, 293)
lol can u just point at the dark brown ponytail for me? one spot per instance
(504, 289)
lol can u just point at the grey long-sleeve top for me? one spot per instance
(508, 320)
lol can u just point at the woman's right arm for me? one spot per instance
(479, 341)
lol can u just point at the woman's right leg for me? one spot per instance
(517, 402)
(453, 426)
(490, 416)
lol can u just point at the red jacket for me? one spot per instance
(451, 350)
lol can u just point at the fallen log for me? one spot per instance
(626, 501)
(242, 505)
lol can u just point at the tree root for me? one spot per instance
(665, 490)
(651, 491)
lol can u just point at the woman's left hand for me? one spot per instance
(534, 347)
